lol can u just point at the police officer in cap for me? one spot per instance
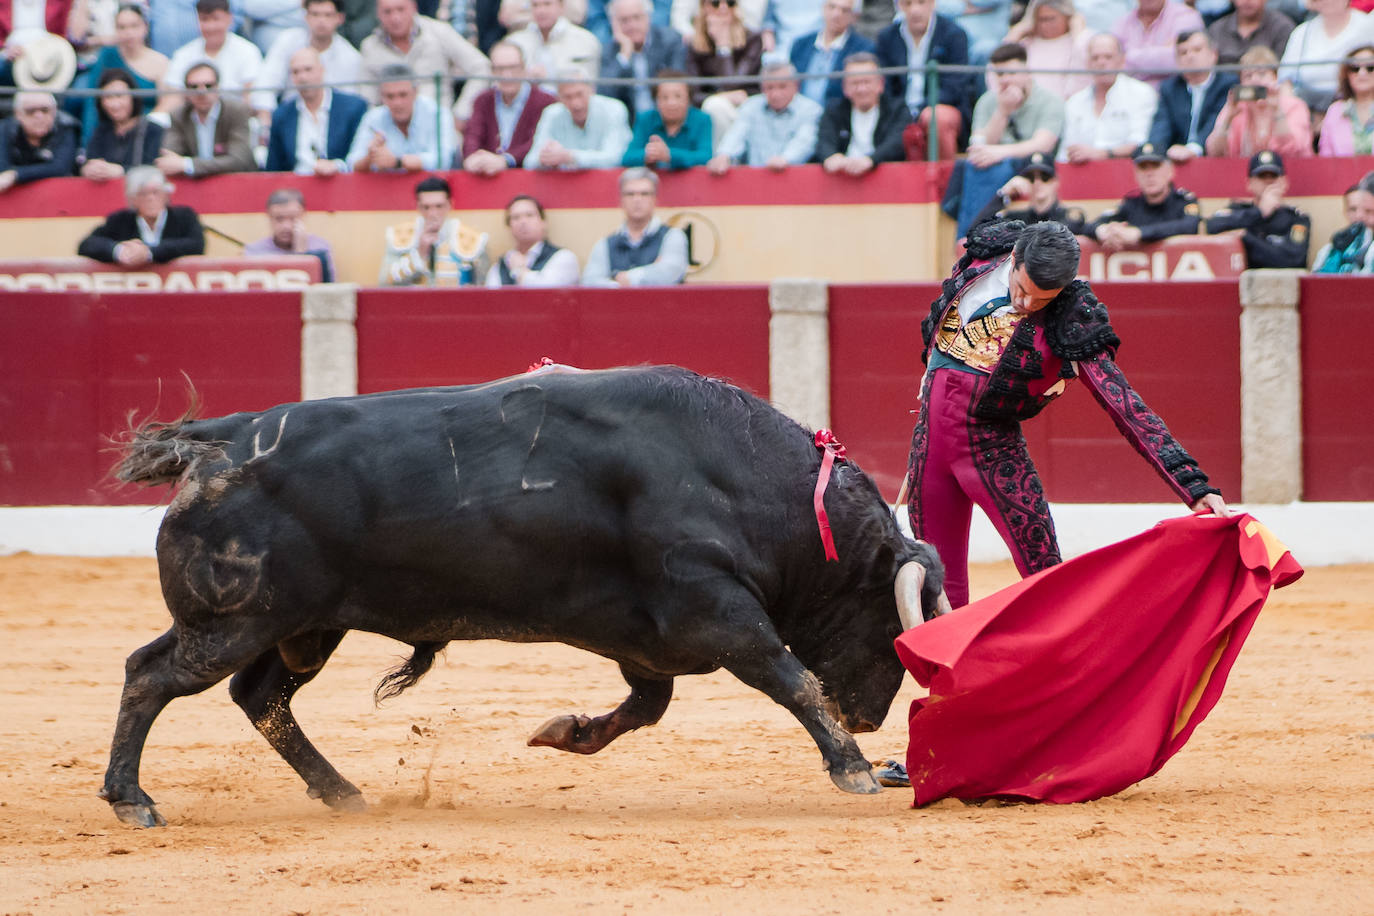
(1273, 233)
(1032, 196)
(1154, 211)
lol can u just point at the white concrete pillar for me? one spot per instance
(1270, 387)
(329, 340)
(799, 350)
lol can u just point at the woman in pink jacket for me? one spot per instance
(1348, 128)
(1261, 113)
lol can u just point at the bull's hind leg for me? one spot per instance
(264, 690)
(583, 735)
(155, 675)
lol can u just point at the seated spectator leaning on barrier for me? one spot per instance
(1014, 118)
(1273, 233)
(150, 229)
(1149, 34)
(430, 49)
(1111, 116)
(286, 219)
(918, 38)
(504, 117)
(1348, 126)
(1190, 102)
(551, 43)
(644, 251)
(1351, 249)
(582, 130)
(1251, 25)
(210, 134)
(38, 141)
(123, 136)
(774, 129)
(435, 248)
(1261, 113)
(723, 46)
(865, 127)
(1032, 196)
(824, 51)
(640, 50)
(235, 58)
(339, 60)
(406, 132)
(313, 130)
(674, 135)
(533, 261)
(1154, 211)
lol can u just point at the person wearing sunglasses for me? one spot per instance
(722, 46)
(1032, 196)
(37, 142)
(1348, 126)
(209, 135)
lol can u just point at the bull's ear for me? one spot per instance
(885, 562)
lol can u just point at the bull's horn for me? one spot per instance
(911, 578)
(942, 604)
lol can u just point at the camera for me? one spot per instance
(1251, 93)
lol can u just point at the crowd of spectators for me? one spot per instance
(322, 87)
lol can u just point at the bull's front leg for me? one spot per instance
(584, 735)
(776, 672)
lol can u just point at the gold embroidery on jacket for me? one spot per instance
(978, 344)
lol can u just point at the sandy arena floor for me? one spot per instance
(722, 807)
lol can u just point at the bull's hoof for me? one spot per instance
(138, 815)
(859, 782)
(564, 733)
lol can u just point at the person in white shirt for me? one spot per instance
(552, 43)
(341, 60)
(774, 129)
(236, 59)
(1111, 116)
(430, 48)
(533, 261)
(644, 251)
(1324, 39)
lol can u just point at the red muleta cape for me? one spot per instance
(1085, 678)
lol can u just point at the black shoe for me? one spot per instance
(892, 774)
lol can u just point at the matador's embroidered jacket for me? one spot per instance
(1036, 356)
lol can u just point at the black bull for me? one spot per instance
(657, 518)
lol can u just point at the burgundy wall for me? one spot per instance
(1337, 380)
(72, 365)
(1180, 351)
(445, 337)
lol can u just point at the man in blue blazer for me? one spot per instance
(639, 50)
(825, 51)
(332, 119)
(919, 37)
(1179, 128)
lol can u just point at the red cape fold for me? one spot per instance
(1085, 678)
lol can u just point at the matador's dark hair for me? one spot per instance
(1050, 253)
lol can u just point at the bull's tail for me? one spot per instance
(408, 674)
(156, 453)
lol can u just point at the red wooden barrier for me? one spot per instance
(1180, 351)
(73, 365)
(409, 338)
(1337, 378)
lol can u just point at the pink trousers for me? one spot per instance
(957, 461)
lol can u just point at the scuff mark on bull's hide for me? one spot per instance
(522, 410)
(258, 450)
(224, 581)
(699, 560)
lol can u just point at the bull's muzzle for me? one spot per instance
(911, 578)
